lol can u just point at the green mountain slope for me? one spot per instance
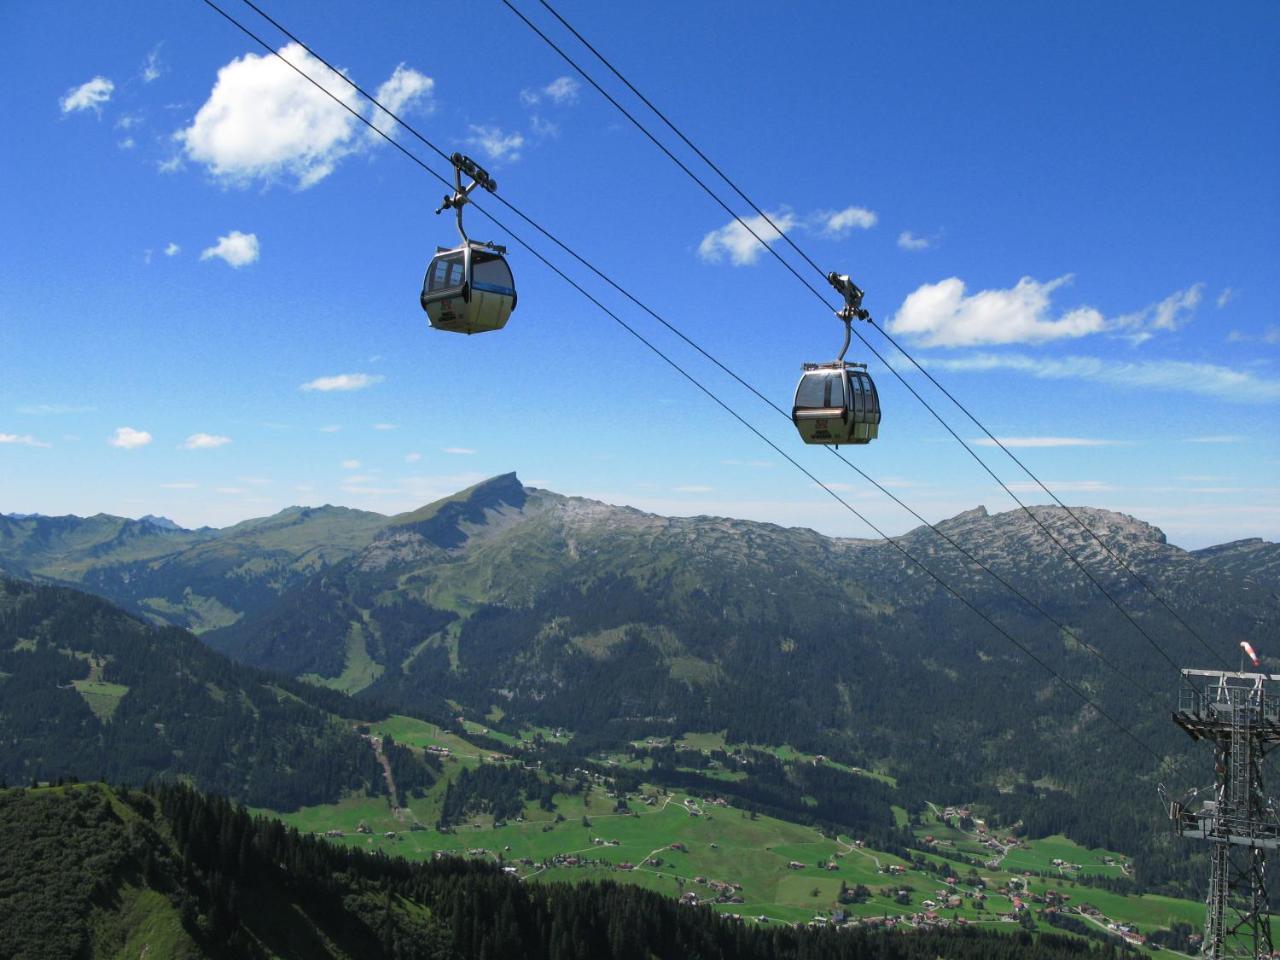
(89, 871)
(86, 690)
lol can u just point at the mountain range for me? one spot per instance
(511, 602)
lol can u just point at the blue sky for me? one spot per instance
(1070, 212)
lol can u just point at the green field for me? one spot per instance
(102, 697)
(724, 844)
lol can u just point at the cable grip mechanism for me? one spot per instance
(852, 309)
(464, 166)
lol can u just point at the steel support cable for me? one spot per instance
(679, 369)
(675, 330)
(1056, 499)
(947, 393)
(791, 269)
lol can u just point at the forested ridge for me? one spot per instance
(89, 871)
(87, 691)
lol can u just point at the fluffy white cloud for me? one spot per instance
(412, 457)
(350, 464)
(343, 381)
(204, 441)
(90, 95)
(909, 241)
(236, 248)
(837, 223)
(1046, 442)
(941, 315)
(172, 250)
(560, 91)
(405, 88)
(1225, 297)
(385, 426)
(263, 121)
(496, 144)
(127, 438)
(1204, 379)
(22, 440)
(736, 241)
(460, 451)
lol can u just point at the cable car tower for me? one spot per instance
(1239, 713)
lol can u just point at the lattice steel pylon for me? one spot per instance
(1239, 713)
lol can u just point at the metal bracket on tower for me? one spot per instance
(466, 167)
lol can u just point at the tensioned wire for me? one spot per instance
(767, 219)
(420, 137)
(653, 347)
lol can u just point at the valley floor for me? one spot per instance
(763, 869)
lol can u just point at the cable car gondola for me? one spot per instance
(468, 288)
(836, 403)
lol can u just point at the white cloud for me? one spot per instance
(204, 441)
(385, 426)
(263, 122)
(90, 95)
(1047, 442)
(941, 315)
(331, 428)
(909, 241)
(560, 91)
(152, 69)
(459, 451)
(1174, 311)
(342, 381)
(129, 121)
(542, 127)
(838, 223)
(1219, 438)
(255, 481)
(172, 165)
(350, 464)
(180, 485)
(172, 250)
(127, 438)
(236, 248)
(404, 89)
(126, 144)
(736, 240)
(412, 457)
(1225, 297)
(496, 144)
(1205, 379)
(22, 440)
